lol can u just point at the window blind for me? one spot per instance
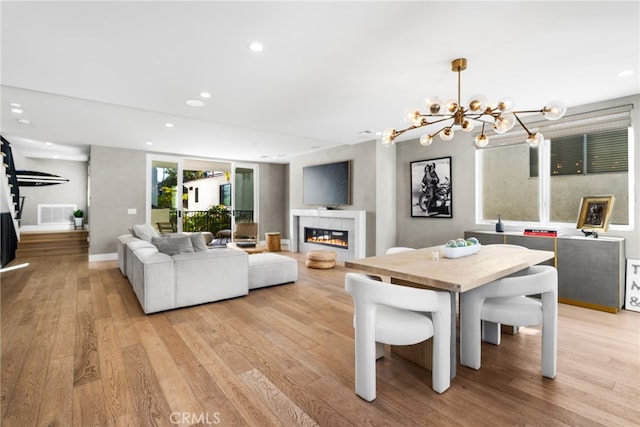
(583, 123)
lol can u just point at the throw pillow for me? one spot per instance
(173, 245)
(197, 240)
(145, 232)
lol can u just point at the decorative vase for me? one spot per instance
(78, 222)
(499, 225)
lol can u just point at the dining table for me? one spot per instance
(428, 268)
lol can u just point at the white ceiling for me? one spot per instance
(113, 73)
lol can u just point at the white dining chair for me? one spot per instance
(397, 315)
(506, 301)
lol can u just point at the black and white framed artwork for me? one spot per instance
(431, 188)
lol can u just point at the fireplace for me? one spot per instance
(321, 236)
(353, 223)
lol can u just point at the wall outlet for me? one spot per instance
(132, 211)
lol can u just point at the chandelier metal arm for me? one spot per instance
(515, 114)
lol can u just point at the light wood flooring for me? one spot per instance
(77, 350)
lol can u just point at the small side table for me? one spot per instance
(273, 242)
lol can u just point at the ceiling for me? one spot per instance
(331, 73)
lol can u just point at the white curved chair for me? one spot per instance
(398, 249)
(397, 315)
(505, 301)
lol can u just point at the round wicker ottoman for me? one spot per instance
(321, 259)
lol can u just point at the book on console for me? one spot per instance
(540, 232)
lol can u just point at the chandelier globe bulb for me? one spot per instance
(451, 105)
(534, 140)
(434, 105)
(506, 104)
(477, 103)
(504, 122)
(554, 110)
(481, 140)
(387, 137)
(467, 126)
(446, 134)
(426, 140)
(412, 116)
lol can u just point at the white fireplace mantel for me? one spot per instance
(358, 216)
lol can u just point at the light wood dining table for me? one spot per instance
(420, 268)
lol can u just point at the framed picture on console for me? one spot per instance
(431, 188)
(595, 213)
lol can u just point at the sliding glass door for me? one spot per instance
(164, 193)
(199, 195)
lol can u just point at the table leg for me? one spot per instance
(453, 354)
(420, 353)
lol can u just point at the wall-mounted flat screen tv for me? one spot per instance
(327, 185)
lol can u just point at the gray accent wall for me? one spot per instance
(273, 207)
(416, 232)
(117, 184)
(420, 232)
(363, 181)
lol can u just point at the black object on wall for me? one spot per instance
(9, 242)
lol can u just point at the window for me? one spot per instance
(598, 152)
(582, 157)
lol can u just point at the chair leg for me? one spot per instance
(441, 369)
(365, 337)
(549, 334)
(491, 332)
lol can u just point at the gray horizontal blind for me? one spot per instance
(590, 122)
(598, 152)
(567, 155)
(607, 151)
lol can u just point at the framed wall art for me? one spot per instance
(595, 213)
(431, 188)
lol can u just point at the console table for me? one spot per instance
(590, 271)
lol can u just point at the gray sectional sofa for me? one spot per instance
(179, 278)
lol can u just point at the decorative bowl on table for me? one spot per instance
(460, 247)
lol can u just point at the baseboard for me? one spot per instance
(45, 228)
(103, 257)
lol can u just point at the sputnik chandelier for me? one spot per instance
(452, 114)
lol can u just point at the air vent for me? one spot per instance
(55, 214)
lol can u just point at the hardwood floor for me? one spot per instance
(77, 350)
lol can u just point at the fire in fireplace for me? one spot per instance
(321, 236)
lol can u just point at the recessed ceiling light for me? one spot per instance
(48, 143)
(194, 103)
(625, 73)
(169, 125)
(24, 121)
(16, 110)
(205, 95)
(16, 105)
(149, 143)
(256, 47)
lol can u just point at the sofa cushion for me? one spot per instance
(197, 240)
(174, 245)
(145, 232)
(268, 269)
